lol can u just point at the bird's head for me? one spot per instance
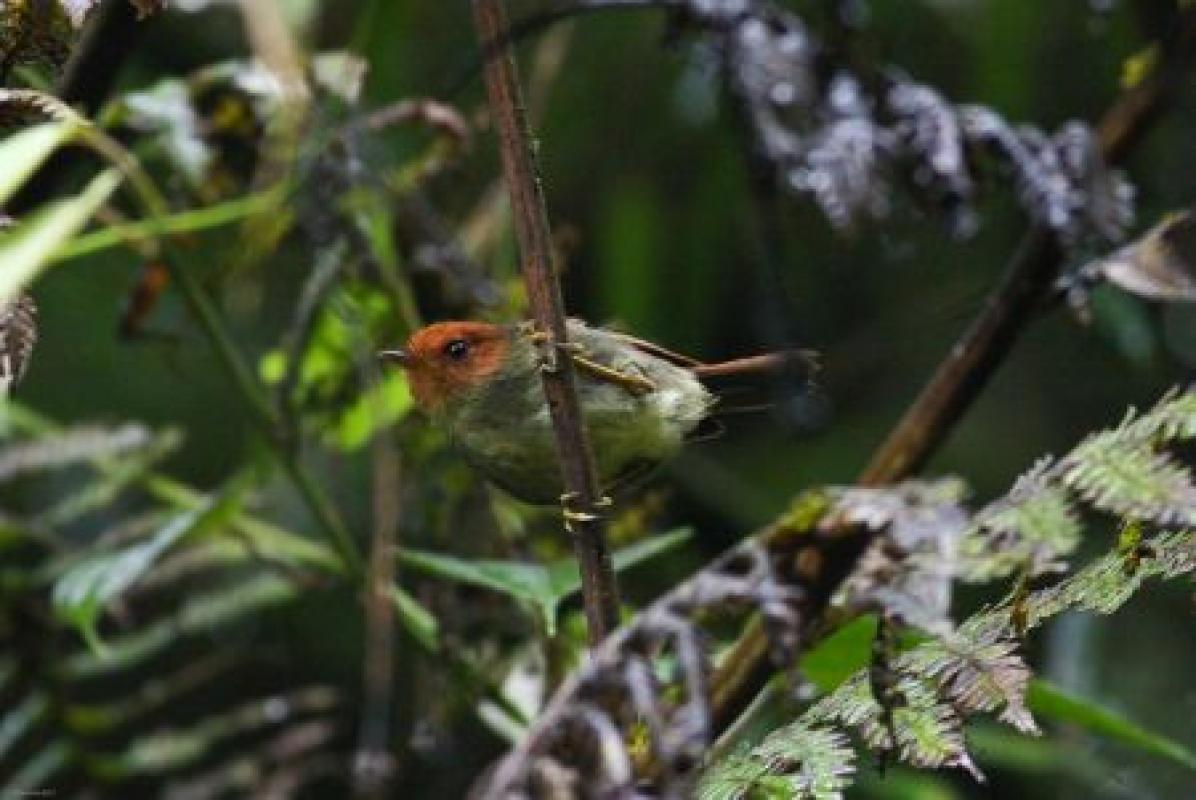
(447, 360)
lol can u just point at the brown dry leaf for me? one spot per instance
(18, 333)
(1161, 265)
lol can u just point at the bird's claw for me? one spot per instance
(549, 347)
(573, 515)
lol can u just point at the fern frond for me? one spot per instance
(1108, 583)
(743, 777)
(1173, 419)
(816, 763)
(1131, 479)
(1030, 528)
(23, 106)
(978, 668)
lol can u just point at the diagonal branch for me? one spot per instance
(975, 357)
(965, 370)
(583, 501)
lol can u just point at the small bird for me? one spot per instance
(640, 401)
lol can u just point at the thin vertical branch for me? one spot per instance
(583, 501)
(374, 766)
(107, 41)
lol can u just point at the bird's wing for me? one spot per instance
(763, 363)
(653, 349)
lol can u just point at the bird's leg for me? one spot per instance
(572, 514)
(577, 353)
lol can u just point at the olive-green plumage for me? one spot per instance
(505, 430)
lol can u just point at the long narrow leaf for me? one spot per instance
(416, 620)
(25, 151)
(544, 587)
(1048, 700)
(190, 221)
(26, 249)
(81, 594)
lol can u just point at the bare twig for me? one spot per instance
(325, 273)
(438, 116)
(107, 41)
(583, 501)
(374, 765)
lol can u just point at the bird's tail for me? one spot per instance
(797, 362)
(765, 382)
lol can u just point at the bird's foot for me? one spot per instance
(549, 347)
(574, 515)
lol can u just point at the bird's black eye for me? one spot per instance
(457, 349)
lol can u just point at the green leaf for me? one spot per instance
(189, 221)
(840, 655)
(526, 582)
(26, 248)
(1048, 700)
(272, 367)
(23, 152)
(83, 592)
(565, 578)
(1005, 749)
(543, 587)
(381, 406)
(416, 620)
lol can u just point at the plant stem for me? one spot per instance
(190, 221)
(211, 323)
(583, 499)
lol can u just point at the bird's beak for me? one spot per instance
(400, 357)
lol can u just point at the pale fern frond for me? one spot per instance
(1126, 472)
(1130, 479)
(1031, 528)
